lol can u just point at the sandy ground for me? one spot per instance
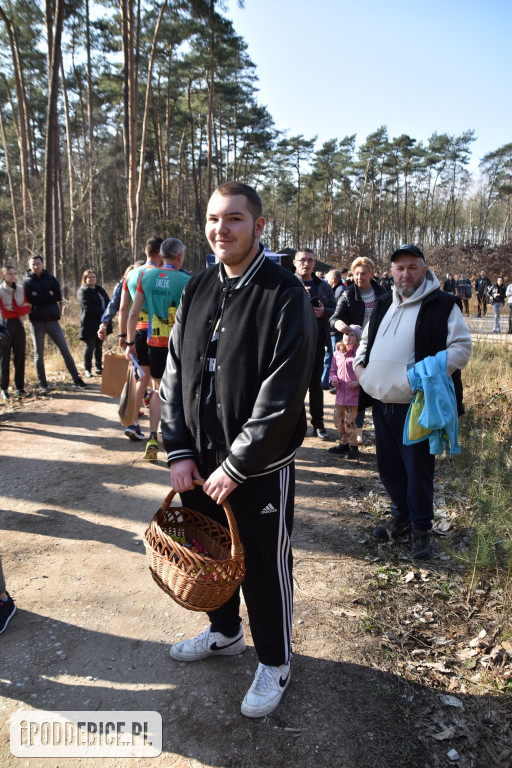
(92, 631)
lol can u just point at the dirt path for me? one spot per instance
(92, 630)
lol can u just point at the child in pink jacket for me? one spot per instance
(342, 376)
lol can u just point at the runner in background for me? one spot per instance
(153, 259)
(159, 290)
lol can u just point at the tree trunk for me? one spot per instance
(361, 198)
(71, 181)
(90, 153)
(140, 185)
(130, 118)
(23, 131)
(15, 221)
(52, 223)
(197, 191)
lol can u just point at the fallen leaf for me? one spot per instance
(452, 701)
(466, 653)
(449, 733)
(476, 640)
(437, 665)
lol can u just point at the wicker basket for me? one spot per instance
(195, 580)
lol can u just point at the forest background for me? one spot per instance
(117, 120)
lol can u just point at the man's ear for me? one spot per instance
(259, 226)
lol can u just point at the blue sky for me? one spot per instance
(338, 67)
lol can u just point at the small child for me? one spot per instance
(342, 376)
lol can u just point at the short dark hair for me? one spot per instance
(232, 188)
(152, 247)
(35, 256)
(171, 248)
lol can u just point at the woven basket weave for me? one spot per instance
(195, 581)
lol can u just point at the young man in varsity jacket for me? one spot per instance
(239, 364)
(413, 321)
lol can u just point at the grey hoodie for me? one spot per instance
(392, 354)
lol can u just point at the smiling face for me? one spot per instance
(232, 232)
(408, 273)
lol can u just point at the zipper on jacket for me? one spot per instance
(216, 323)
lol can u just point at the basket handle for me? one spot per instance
(236, 547)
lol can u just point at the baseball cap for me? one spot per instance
(413, 249)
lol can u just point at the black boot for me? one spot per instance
(340, 448)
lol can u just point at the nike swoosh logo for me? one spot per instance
(283, 681)
(215, 647)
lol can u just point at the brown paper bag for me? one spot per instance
(127, 405)
(114, 374)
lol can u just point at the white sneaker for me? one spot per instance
(266, 691)
(208, 644)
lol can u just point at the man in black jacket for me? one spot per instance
(43, 293)
(239, 363)
(482, 286)
(323, 302)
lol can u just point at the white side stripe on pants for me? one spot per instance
(283, 553)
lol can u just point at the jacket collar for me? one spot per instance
(249, 273)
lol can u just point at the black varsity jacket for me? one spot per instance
(267, 339)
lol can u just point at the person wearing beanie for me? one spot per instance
(342, 377)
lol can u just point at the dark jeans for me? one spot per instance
(406, 471)
(38, 331)
(316, 393)
(16, 346)
(360, 418)
(328, 355)
(482, 304)
(510, 318)
(93, 346)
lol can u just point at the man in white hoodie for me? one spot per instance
(412, 322)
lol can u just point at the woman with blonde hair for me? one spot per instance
(93, 301)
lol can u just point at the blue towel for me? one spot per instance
(436, 410)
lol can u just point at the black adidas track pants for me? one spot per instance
(263, 507)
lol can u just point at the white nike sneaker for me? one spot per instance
(208, 644)
(266, 691)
